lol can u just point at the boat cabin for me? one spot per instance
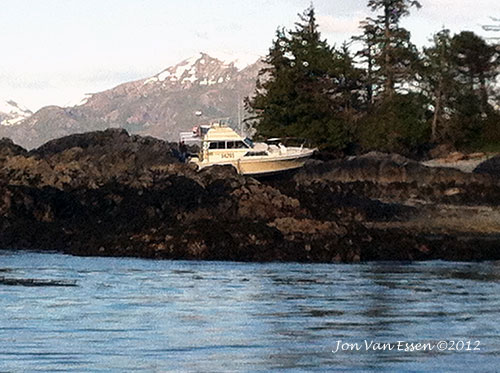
(221, 144)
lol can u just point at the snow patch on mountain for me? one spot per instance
(238, 60)
(162, 76)
(79, 101)
(202, 69)
(12, 113)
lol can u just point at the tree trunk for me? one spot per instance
(369, 86)
(389, 79)
(483, 91)
(437, 112)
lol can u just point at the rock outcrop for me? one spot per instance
(489, 167)
(111, 194)
(393, 177)
(87, 160)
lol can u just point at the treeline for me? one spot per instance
(387, 95)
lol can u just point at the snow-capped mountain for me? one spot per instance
(201, 70)
(161, 105)
(12, 113)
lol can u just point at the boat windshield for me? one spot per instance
(249, 142)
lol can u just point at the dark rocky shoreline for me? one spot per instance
(110, 194)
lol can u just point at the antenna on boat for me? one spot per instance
(240, 124)
(221, 120)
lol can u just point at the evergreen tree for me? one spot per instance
(439, 83)
(366, 55)
(397, 125)
(394, 55)
(477, 65)
(349, 82)
(295, 93)
(396, 119)
(459, 75)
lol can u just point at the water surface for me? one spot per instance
(132, 314)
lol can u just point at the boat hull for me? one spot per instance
(255, 166)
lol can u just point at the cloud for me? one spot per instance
(460, 4)
(201, 35)
(35, 89)
(20, 81)
(466, 11)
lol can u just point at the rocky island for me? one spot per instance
(108, 193)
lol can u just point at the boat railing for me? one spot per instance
(189, 137)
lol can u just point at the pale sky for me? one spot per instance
(54, 51)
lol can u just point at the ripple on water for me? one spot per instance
(131, 314)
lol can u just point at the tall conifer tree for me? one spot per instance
(477, 65)
(439, 82)
(395, 56)
(295, 91)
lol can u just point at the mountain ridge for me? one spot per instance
(161, 105)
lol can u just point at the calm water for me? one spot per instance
(132, 314)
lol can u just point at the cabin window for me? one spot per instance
(227, 145)
(217, 145)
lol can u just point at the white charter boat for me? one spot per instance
(221, 145)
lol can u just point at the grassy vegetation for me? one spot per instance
(492, 147)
